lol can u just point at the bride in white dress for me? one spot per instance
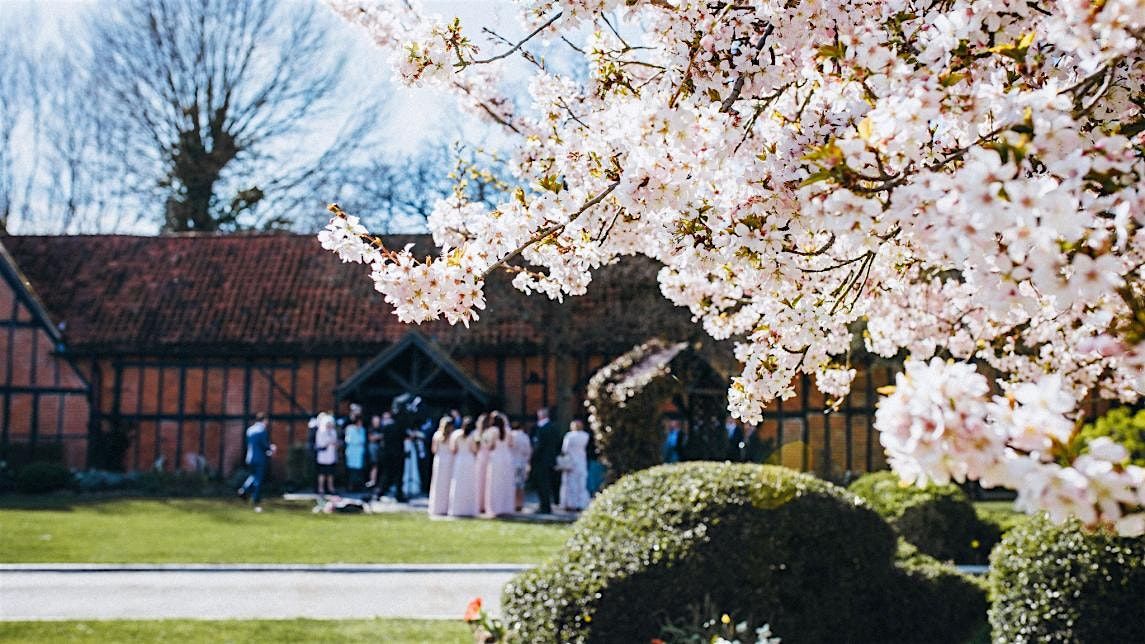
(574, 480)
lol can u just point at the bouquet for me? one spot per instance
(564, 463)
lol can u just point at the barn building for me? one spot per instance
(168, 346)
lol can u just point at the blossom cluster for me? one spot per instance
(957, 179)
(942, 425)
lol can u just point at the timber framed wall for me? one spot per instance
(188, 413)
(43, 398)
(192, 412)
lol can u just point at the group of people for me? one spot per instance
(733, 443)
(390, 454)
(469, 466)
(472, 466)
(482, 466)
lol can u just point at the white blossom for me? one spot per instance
(965, 178)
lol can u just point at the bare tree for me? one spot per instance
(213, 109)
(396, 194)
(15, 102)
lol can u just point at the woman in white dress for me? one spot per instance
(462, 492)
(574, 480)
(522, 449)
(439, 481)
(499, 489)
(482, 466)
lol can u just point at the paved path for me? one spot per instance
(52, 591)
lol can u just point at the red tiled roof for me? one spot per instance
(258, 294)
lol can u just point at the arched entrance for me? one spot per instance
(655, 391)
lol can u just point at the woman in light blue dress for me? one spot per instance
(355, 452)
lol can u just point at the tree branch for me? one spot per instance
(547, 232)
(520, 44)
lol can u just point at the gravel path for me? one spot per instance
(52, 592)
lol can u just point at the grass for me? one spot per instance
(403, 631)
(59, 530)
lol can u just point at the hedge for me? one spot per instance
(41, 477)
(20, 455)
(938, 519)
(1063, 584)
(764, 543)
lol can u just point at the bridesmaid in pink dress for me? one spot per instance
(441, 480)
(462, 494)
(482, 461)
(499, 483)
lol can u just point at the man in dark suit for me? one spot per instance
(392, 456)
(734, 433)
(546, 447)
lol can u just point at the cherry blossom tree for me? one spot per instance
(965, 176)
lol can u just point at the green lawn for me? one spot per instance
(60, 530)
(403, 631)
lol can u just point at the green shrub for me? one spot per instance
(179, 484)
(109, 446)
(1064, 584)
(41, 477)
(940, 592)
(625, 398)
(1124, 427)
(764, 543)
(937, 519)
(21, 455)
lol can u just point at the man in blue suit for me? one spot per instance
(258, 453)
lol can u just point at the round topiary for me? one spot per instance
(937, 519)
(1063, 584)
(41, 477)
(764, 543)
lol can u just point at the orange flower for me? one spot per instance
(473, 611)
(657, 640)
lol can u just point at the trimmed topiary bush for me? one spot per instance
(41, 478)
(1062, 584)
(623, 400)
(764, 543)
(940, 592)
(938, 519)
